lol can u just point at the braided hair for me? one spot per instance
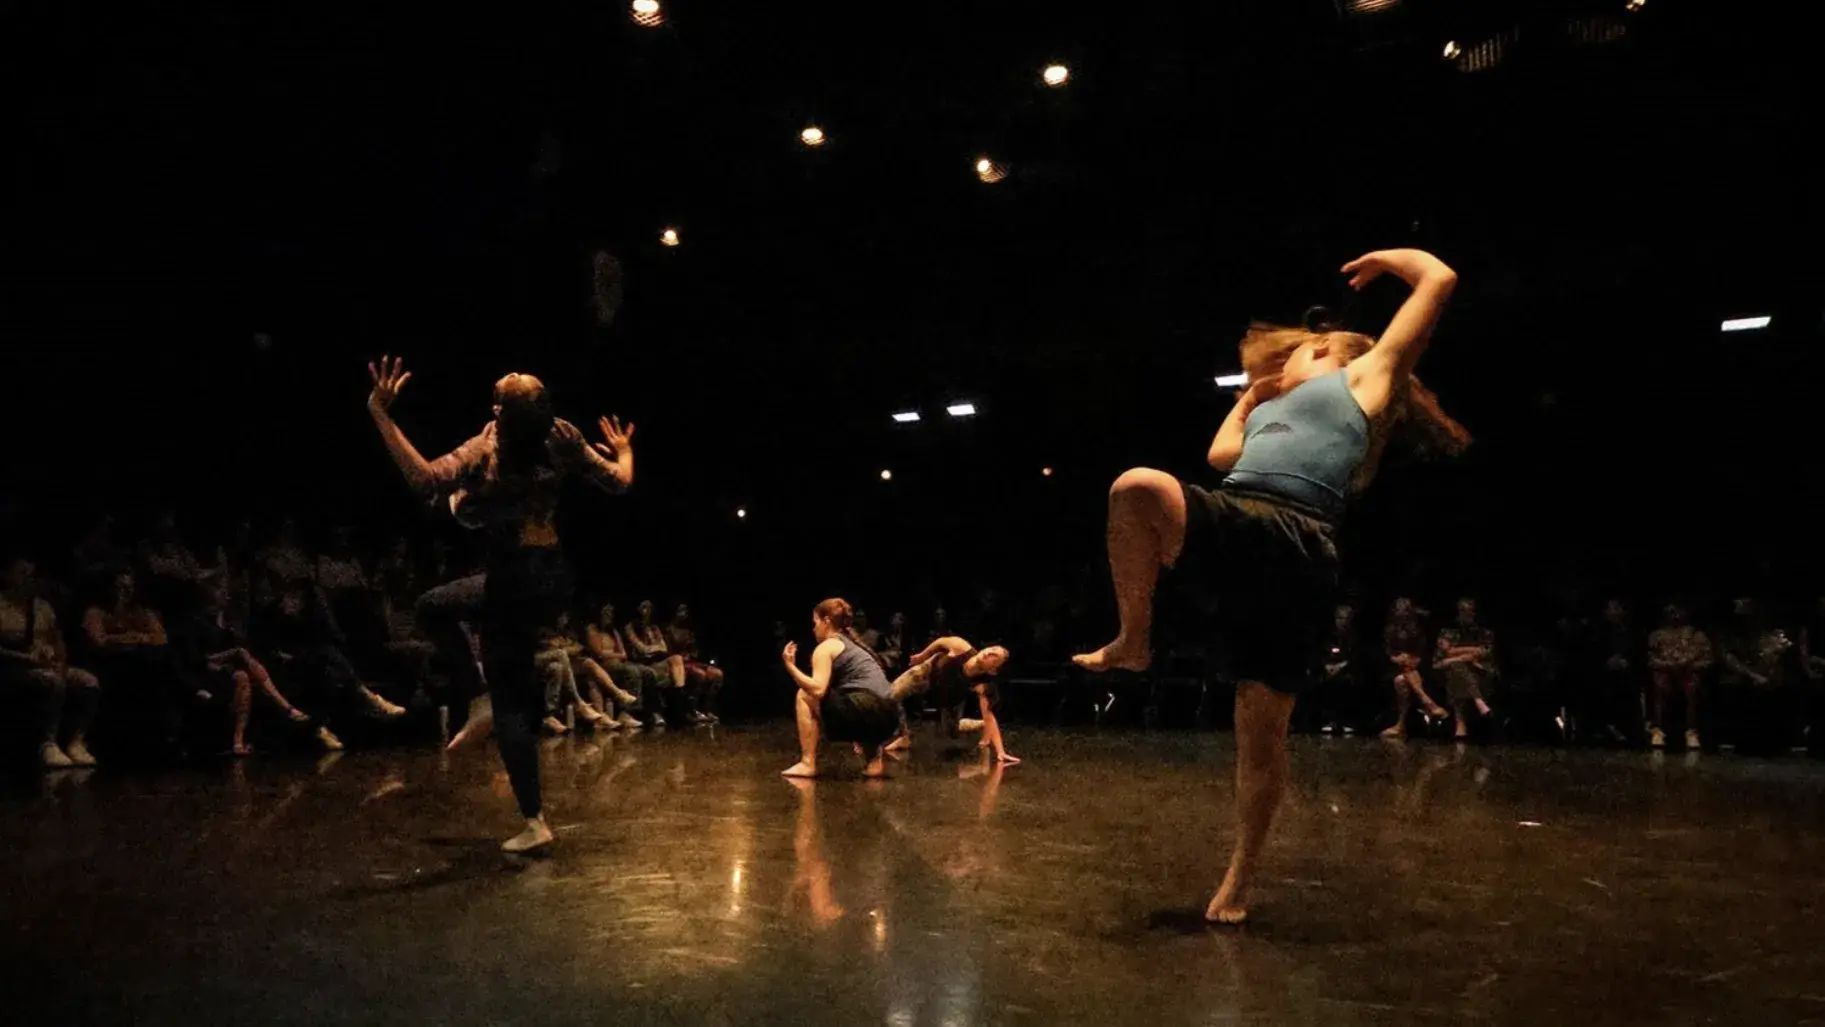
(841, 616)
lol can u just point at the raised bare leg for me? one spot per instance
(1146, 533)
(1262, 716)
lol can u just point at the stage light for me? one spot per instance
(669, 237)
(647, 14)
(1636, 5)
(1747, 324)
(1045, 472)
(741, 513)
(812, 136)
(1370, 6)
(1452, 50)
(886, 475)
(989, 171)
(961, 410)
(1232, 381)
(906, 417)
(1055, 75)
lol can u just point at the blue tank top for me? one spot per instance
(854, 670)
(1305, 445)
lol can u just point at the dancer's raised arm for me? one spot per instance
(389, 377)
(609, 464)
(1375, 375)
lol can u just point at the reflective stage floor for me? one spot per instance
(691, 885)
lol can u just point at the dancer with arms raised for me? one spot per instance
(1306, 434)
(505, 482)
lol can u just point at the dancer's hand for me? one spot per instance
(1259, 391)
(789, 655)
(1409, 265)
(615, 437)
(389, 378)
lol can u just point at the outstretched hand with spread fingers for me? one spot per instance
(615, 438)
(389, 377)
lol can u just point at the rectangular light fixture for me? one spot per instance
(906, 417)
(1232, 381)
(961, 409)
(1745, 324)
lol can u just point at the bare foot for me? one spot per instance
(554, 726)
(1397, 731)
(875, 768)
(1008, 758)
(900, 744)
(800, 769)
(477, 728)
(1117, 655)
(535, 837)
(1230, 904)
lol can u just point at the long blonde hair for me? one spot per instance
(1267, 347)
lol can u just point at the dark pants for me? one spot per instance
(62, 702)
(520, 595)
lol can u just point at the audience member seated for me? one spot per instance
(893, 644)
(940, 626)
(871, 637)
(1612, 700)
(223, 674)
(353, 597)
(126, 643)
(1338, 697)
(1466, 655)
(96, 558)
(173, 579)
(35, 672)
(1404, 644)
(1678, 657)
(284, 565)
(558, 650)
(646, 643)
(1756, 654)
(702, 678)
(301, 630)
(622, 680)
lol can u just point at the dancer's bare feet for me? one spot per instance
(536, 836)
(800, 769)
(1008, 759)
(1230, 904)
(876, 767)
(900, 744)
(477, 728)
(1397, 731)
(1120, 654)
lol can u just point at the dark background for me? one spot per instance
(352, 181)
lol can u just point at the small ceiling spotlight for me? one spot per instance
(1453, 51)
(1055, 75)
(647, 14)
(669, 237)
(812, 136)
(990, 171)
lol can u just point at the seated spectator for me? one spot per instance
(125, 642)
(703, 678)
(283, 565)
(626, 682)
(301, 630)
(353, 596)
(1404, 644)
(893, 643)
(646, 643)
(557, 648)
(1338, 694)
(1466, 655)
(222, 672)
(940, 626)
(97, 558)
(1678, 655)
(173, 579)
(35, 671)
(1755, 661)
(871, 637)
(1613, 702)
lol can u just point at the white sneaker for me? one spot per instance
(1657, 739)
(1691, 739)
(536, 836)
(79, 754)
(330, 742)
(628, 722)
(53, 758)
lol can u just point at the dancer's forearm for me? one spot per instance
(411, 463)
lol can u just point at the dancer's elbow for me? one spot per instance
(1223, 456)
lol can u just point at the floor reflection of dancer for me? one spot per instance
(1307, 431)
(506, 482)
(952, 670)
(845, 698)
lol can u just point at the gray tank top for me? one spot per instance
(1305, 445)
(854, 670)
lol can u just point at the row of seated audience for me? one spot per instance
(194, 656)
(1607, 681)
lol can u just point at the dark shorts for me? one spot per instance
(1258, 578)
(856, 716)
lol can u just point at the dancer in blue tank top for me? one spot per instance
(1305, 434)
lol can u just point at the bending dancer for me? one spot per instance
(1308, 430)
(506, 482)
(846, 697)
(953, 670)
